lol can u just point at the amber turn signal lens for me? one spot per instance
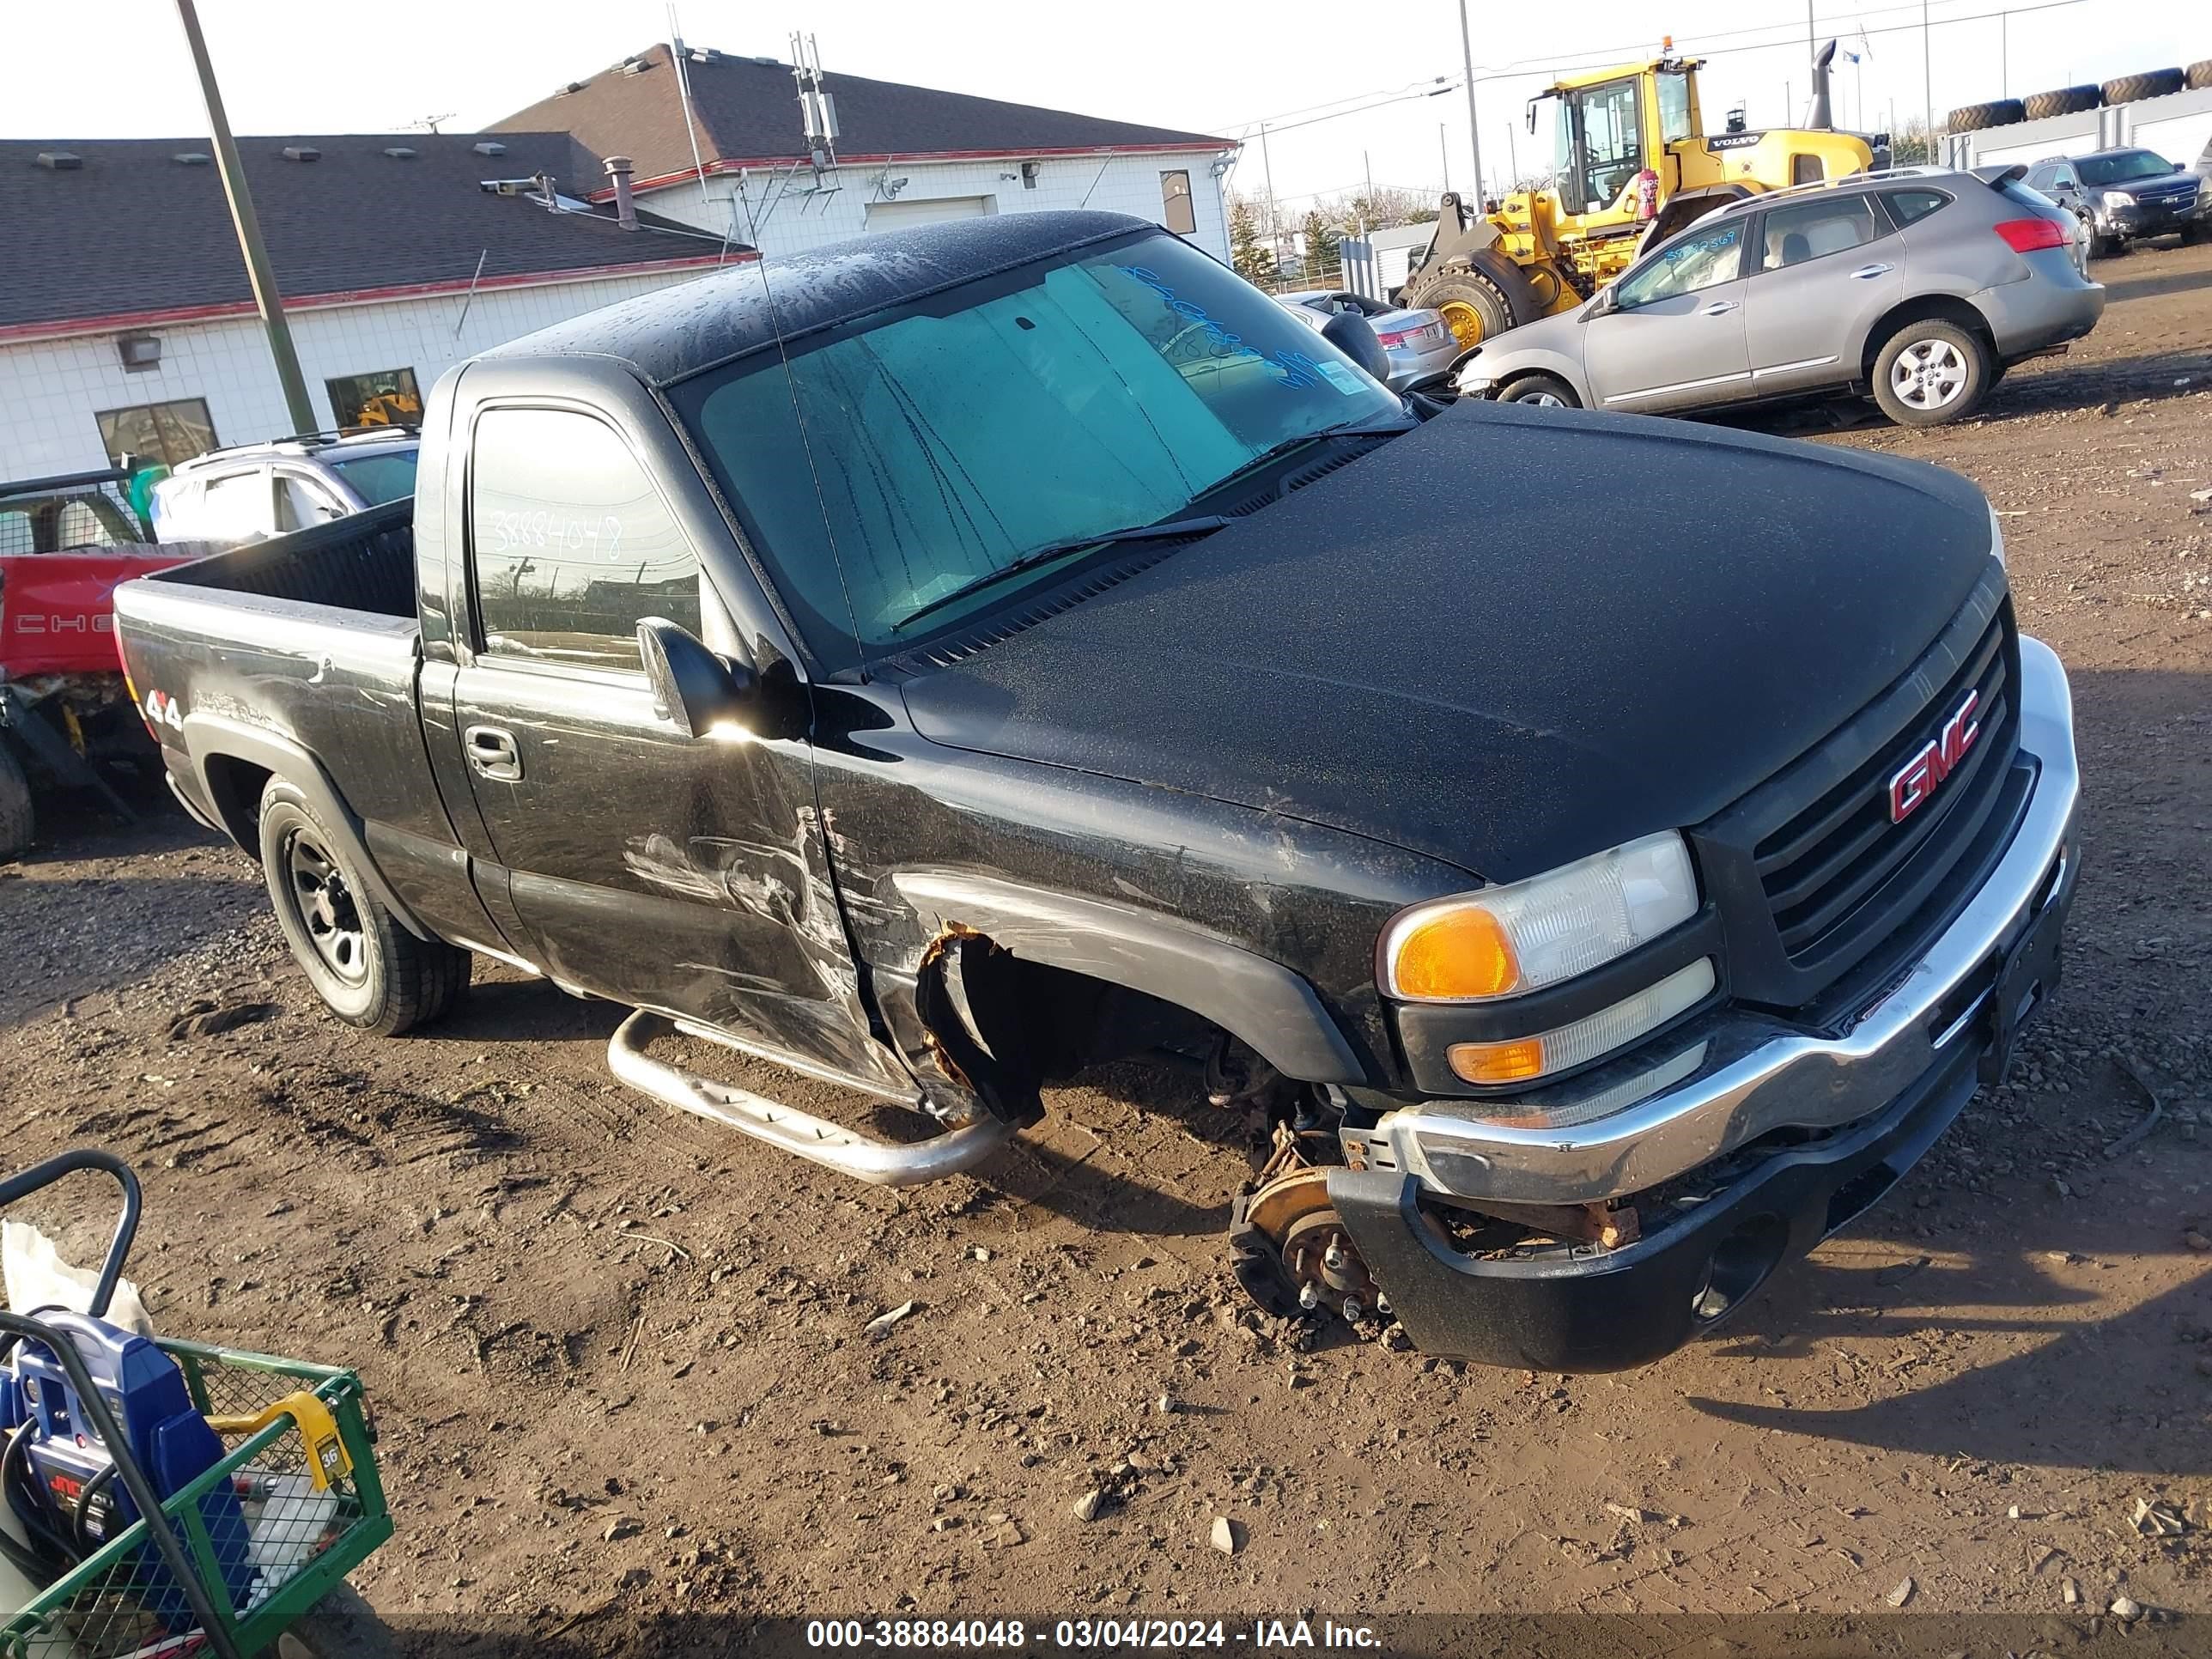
(1457, 953)
(1497, 1062)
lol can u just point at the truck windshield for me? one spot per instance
(2128, 164)
(902, 459)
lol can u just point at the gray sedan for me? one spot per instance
(1918, 285)
(1419, 343)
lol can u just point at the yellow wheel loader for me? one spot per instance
(1632, 161)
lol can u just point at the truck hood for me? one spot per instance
(1506, 639)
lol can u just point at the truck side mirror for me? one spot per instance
(692, 686)
(1354, 336)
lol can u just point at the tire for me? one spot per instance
(2108, 247)
(1931, 372)
(2198, 74)
(1480, 297)
(1545, 391)
(2152, 83)
(369, 970)
(2066, 100)
(18, 820)
(1978, 118)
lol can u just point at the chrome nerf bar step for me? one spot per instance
(885, 1163)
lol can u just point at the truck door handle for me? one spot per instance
(492, 752)
(1867, 273)
(1722, 307)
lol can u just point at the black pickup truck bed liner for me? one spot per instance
(365, 562)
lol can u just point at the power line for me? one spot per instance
(1523, 69)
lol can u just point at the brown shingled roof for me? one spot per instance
(130, 230)
(745, 110)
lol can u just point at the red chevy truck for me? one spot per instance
(66, 711)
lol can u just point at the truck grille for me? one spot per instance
(1819, 869)
(1810, 872)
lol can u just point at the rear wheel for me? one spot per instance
(1930, 372)
(17, 821)
(1544, 390)
(369, 970)
(1480, 298)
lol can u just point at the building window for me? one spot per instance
(387, 397)
(165, 433)
(570, 542)
(1177, 211)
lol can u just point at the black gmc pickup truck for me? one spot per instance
(942, 661)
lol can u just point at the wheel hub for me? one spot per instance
(1293, 1254)
(326, 907)
(1464, 321)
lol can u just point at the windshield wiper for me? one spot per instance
(1035, 557)
(1268, 457)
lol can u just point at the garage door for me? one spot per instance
(902, 215)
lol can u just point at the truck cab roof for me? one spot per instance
(676, 332)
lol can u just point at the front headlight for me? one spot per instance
(1522, 936)
(2119, 198)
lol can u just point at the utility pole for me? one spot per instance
(267, 298)
(1928, 77)
(1267, 177)
(1473, 127)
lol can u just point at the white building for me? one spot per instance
(127, 326)
(903, 155)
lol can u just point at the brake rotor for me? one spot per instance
(1292, 1252)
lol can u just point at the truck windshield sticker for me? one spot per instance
(1296, 369)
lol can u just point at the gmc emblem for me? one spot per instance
(1919, 777)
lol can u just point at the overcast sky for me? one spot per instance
(91, 69)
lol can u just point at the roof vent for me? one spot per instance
(191, 158)
(302, 153)
(60, 160)
(771, 63)
(637, 65)
(399, 152)
(572, 86)
(705, 55)
(488, 148)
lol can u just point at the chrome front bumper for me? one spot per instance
(1736, 1075)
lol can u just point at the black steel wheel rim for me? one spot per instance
(326, 907)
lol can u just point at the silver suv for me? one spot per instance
(1918, 285)
(252, 491)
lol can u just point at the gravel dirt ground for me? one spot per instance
(619, 1356)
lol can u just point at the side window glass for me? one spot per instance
(1813, 230)
(1613, 142)
(1704, 258)
(1908, 206)
(237, 507)
(570, 544)
(300, 503)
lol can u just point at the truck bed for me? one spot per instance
(310, 641)
(364, 563)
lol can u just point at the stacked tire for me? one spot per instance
(1979, 118)
(2152, 83)
(2198, 74)
(2066, 100)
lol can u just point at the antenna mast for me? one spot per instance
(817, 110)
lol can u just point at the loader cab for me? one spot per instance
(1608, 126)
